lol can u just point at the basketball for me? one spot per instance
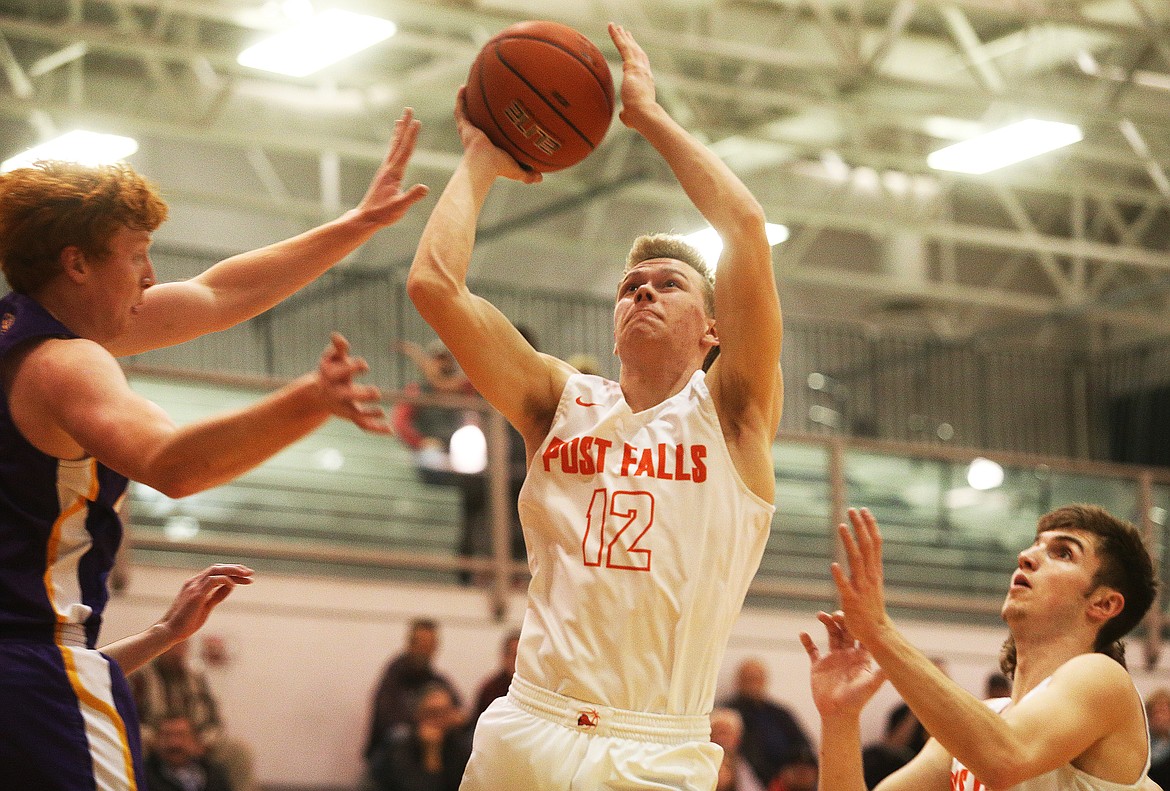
(542, 92)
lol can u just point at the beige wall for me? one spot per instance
(307, 652)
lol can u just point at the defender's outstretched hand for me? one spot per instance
(345, 398)
(844, 679)
(199, 596)
(385, 203)
(638, 92)
(476, 143)
(862, 590)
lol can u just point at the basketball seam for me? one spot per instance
(503, 129)
(519, 76)
(583, 61)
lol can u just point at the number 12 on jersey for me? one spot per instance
(615, 524)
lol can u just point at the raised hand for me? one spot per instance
(638, 93)
(344, 397)
(844, 679)
(199, 596)
(862, 590)
(475, 142)
(385, 203)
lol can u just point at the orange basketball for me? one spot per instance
(542, 92)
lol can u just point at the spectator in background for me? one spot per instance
(734, 773)
(919, 736)
(176, 761)
(427, 429)
(887, 756)
(997, 686)
(428, 755)
(171, 686)
(771, 734)
(496, 685)
(1158, 717)
(799, 772)
(403, 681)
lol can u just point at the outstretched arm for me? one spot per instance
(1083, 704)
(842, 682)
(186, 615)
(747, 305)
(503, 367)
(102, 417)
(248, 284)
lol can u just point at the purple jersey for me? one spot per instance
(59, 526)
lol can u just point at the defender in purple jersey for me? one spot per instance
(74, 247)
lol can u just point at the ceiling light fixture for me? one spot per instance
(315, 43)
(85, 148)
(1005, 146)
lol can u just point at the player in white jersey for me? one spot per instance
(1074, 721)
(648, 501)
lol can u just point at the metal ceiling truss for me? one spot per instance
(826, 107)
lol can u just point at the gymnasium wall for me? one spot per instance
(306, 654)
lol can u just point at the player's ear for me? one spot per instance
(1105, 603)
(711, 336)
(73, 262)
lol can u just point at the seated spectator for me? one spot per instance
(176, 760)
(771, 734)
(799, 772)
(170, 685)
(734, 772)
(496, 685)
(403, 681)
(1158, 717)
(885, 757)
(429, 755)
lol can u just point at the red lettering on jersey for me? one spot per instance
(646, 463)
(959, 781)
(569, 455)
(663, 473)
(551, 452)
(602, 446)
(679, 464)
(586, 465)
(579, 456)
(628, 451)
(698, 453)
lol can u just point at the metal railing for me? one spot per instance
(950, 547)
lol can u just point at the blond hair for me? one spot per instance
(669, 245)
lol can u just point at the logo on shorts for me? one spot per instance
(6, 322)
(587, 718)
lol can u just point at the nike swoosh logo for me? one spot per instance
(584, 403)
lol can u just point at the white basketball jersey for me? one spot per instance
(642, 540)
(1064, 778)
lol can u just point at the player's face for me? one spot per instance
(660, 298)
(123, 277)
(1055, 573)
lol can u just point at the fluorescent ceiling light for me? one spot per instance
(86, 148)
(318, 42)
(710, 245)
(1005, 146)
